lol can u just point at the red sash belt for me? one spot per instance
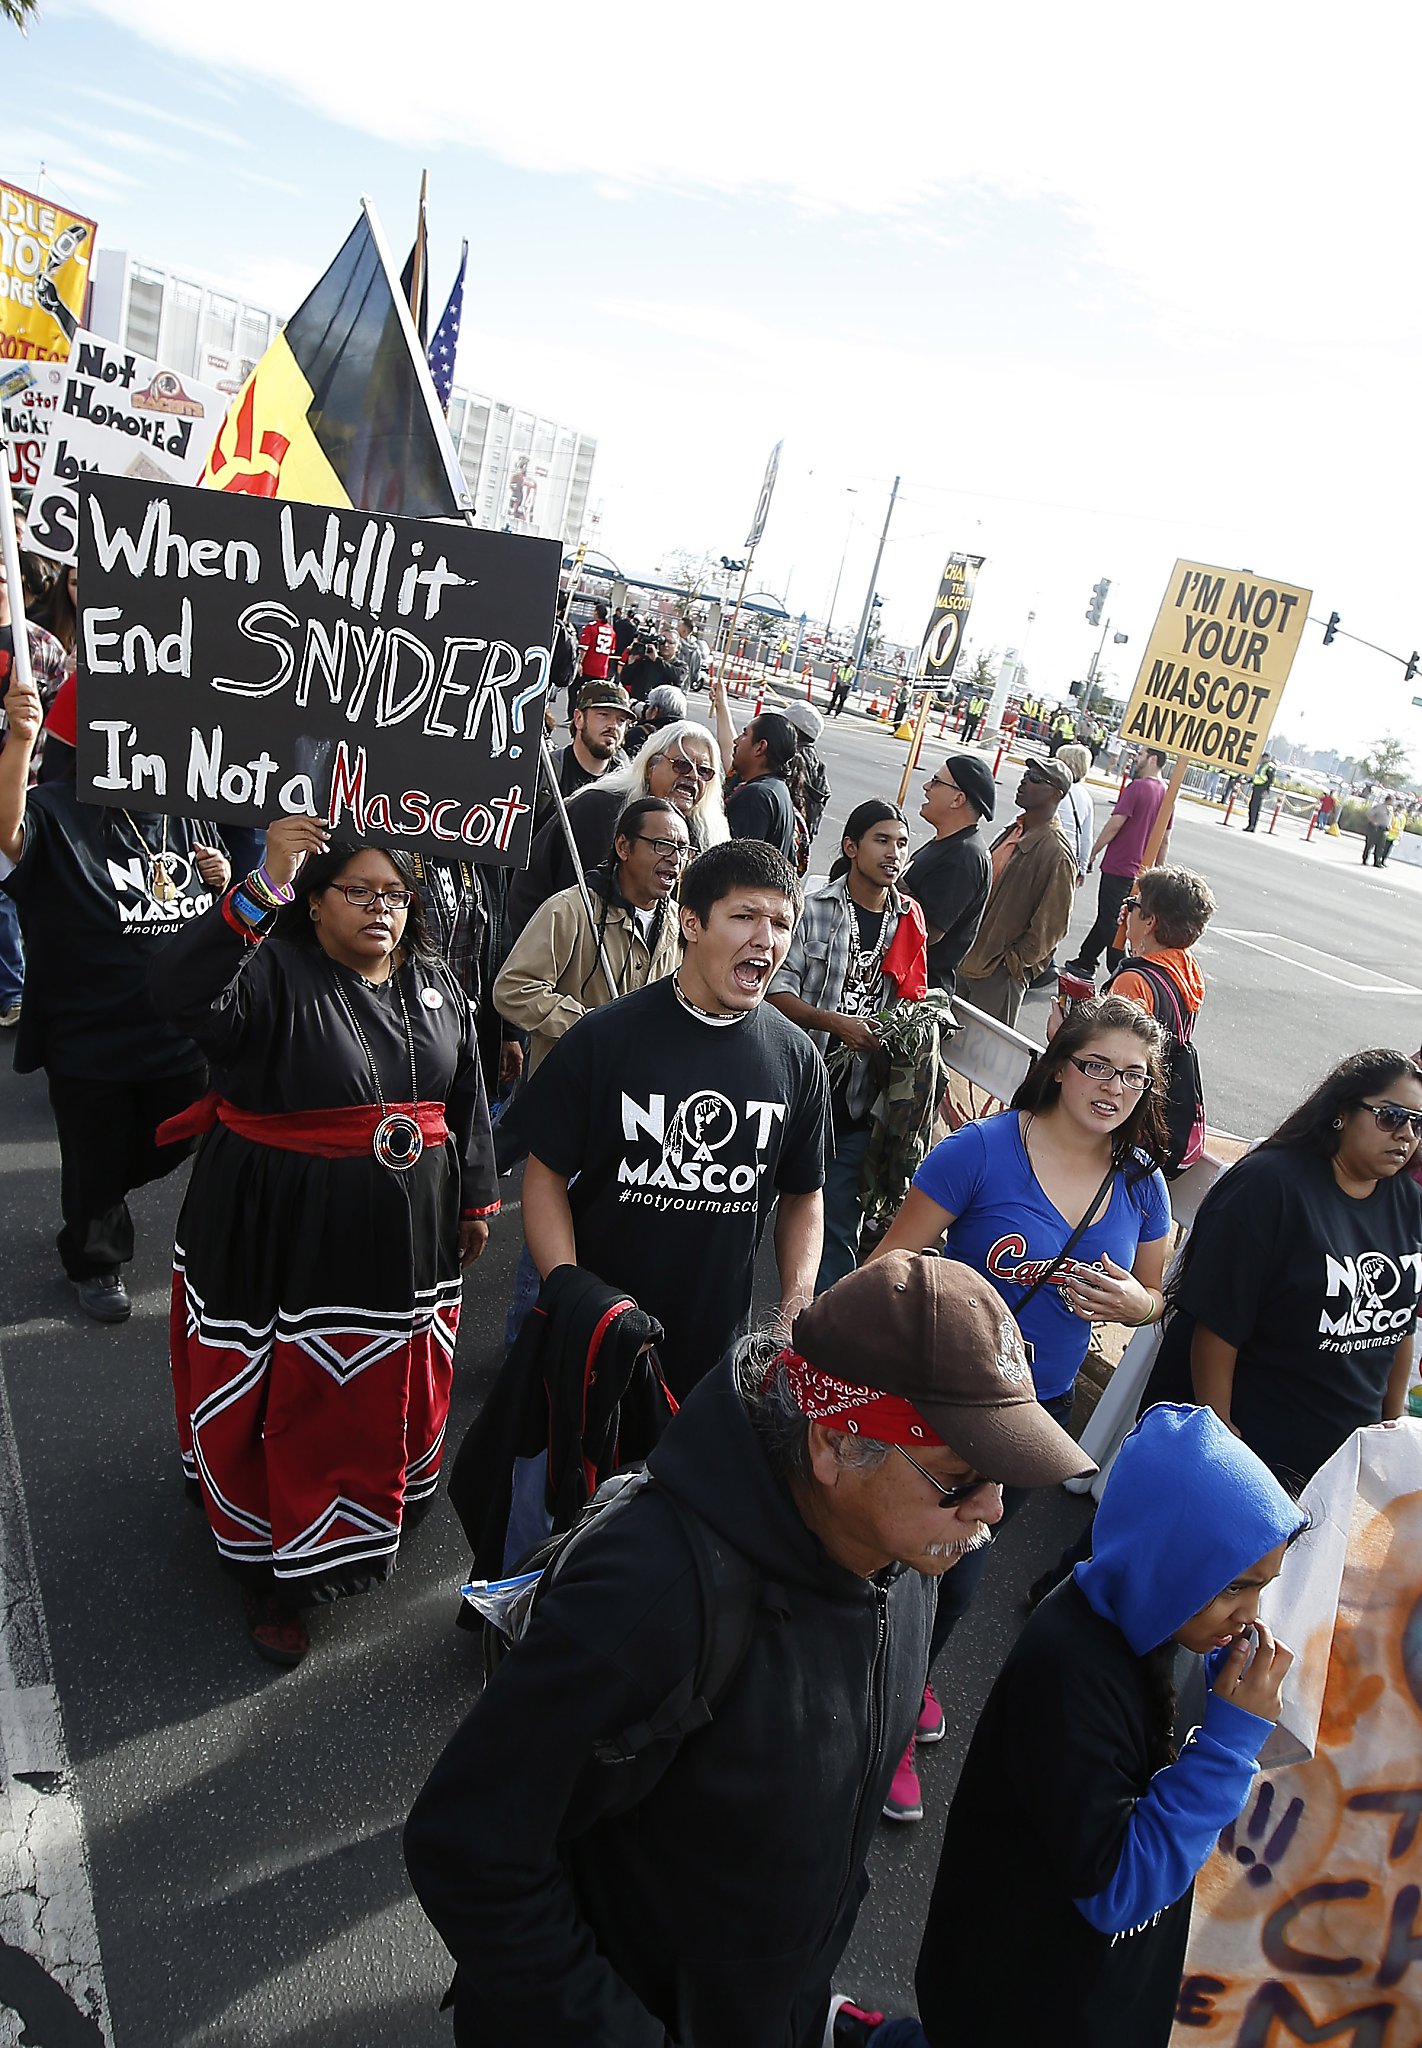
(320, 1133)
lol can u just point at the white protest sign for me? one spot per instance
(115, 413)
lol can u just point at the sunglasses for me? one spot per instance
(1131, 903)
(698, 769)
(948, 1496)
(1392, 1117)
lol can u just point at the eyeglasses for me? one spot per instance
(1134, 1078)
(361, 896)
(948, 1496)
(668, 849)
(698, 768)
(1131, 903)
(1391, 1116)
(940, 782)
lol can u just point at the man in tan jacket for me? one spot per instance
(1029, 905)
(560, 964)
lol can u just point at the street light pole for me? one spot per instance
(839, 573)
(863, 634)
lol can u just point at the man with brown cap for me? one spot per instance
(703, 1886)
(1029, 905)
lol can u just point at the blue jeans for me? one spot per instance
(843, 1213)
(12, 955)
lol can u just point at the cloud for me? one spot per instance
(147, 110)
(1240, 180)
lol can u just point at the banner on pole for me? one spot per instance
(1213, 672)
(244, 658)
(118, 414)
(762, 503)
(45, 253)
(949, 617)
(1306, 1922)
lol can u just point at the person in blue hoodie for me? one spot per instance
(1062, 1902)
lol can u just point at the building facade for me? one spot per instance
(525, 474)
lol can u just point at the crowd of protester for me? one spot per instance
(653, 1825)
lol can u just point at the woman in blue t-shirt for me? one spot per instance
(1084, 1137)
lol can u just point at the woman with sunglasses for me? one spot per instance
(1296, 1294)
(345, 1178)
(1072, 1167)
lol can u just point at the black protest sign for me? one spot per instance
(949, 617)
(243, 658)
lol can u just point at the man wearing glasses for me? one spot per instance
(1029, 907)
(949, 877)
(595, 1905)
(562, 966)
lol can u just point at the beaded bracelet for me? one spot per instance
(274, 894)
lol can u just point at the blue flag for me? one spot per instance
(446, 340)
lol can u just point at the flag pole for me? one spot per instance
(417, 268)
(10, 552)
(735, 615)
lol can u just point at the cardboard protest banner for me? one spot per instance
(1307, 1922)
(244, 658)
(949, 617)
(45, 253)
(118, 414)
(1214, 668)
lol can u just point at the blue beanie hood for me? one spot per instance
(1187, 1508)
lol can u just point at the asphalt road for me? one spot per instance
(243, 1823)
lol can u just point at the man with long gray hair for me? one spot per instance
(823, 1486)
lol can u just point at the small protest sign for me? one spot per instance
(1307, 1922)
(245, 658)
(121, 415)
(1214, 669)
(944, 634)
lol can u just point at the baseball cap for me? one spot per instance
(609, 693)
(805, 719)
(939, 1336)
(974, 778)
(1051, 770)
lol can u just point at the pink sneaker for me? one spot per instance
(905, 1800)
(931, 1725)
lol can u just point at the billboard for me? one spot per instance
(949, 617)
(45, 253)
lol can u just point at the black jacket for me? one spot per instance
(699, 1896)
(1062, 1750)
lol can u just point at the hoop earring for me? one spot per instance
(1338, 1123)
(312, 912)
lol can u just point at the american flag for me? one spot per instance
(446, 341)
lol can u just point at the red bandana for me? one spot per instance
(863, 1411)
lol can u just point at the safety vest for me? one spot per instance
(1261, 778)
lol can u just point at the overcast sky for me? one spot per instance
(1106, 285)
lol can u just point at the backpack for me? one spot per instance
(729, 1586)
(1184, 1093)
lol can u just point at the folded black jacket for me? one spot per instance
(702, 1894)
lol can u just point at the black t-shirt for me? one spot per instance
(680, 1134)
(92, 926)
(1061, 1752)
(1316, 1291)
(949, 880)
(762, 810)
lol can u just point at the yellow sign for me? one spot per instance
(45, 252)
(1214, 670)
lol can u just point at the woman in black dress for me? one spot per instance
(345, 1178)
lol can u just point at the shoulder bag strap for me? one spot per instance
(1070, 1246)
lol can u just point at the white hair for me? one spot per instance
(707, 822)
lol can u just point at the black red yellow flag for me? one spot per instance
(340, 410)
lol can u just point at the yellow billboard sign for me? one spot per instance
(1214, 669)
(45, 252)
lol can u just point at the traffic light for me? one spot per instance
(877, 601)
(1412, 666)
(1098, 600)
(1077, 690)
(733, 566)
(1330, 629)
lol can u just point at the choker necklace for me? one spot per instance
(717, 1017)
(161, 886)
(398, 1140)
